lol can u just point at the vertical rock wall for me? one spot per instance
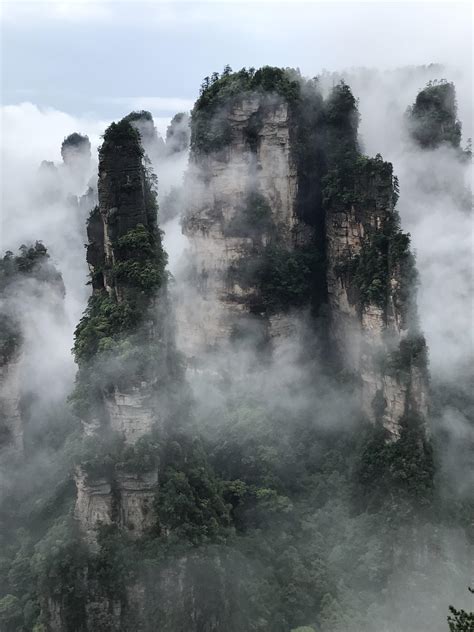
(127, 407)
(218, 185)
(374, 327)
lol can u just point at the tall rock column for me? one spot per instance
(371, 280)
(242, 195)
(123, 347)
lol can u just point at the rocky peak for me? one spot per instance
(124, 345)
(282, 199)
(123, 227)
(178, 133)
(76, 148)
(243, 191)
(153, 145)
(432, 119)
(371, 281)
(77, 164)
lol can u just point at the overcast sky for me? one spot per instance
(103, 59)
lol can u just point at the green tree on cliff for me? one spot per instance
(460, 620)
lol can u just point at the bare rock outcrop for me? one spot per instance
(123, 498)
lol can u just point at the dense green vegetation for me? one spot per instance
(211, 128)
(112, 343)
(140, 115)
(33, 260)
(382, 272)
(136, 274)
(341, 122)
(283, 278)
(398, 475)
(460, 620)
(361, 181)
(299, 516)
(384, 254)
(123, 134)
(311, 504)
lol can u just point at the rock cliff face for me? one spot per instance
(370, 276)
(76, 174)
(126, 500)
(125, 205)
(231, 191)
(282, 175)
(129, 387)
